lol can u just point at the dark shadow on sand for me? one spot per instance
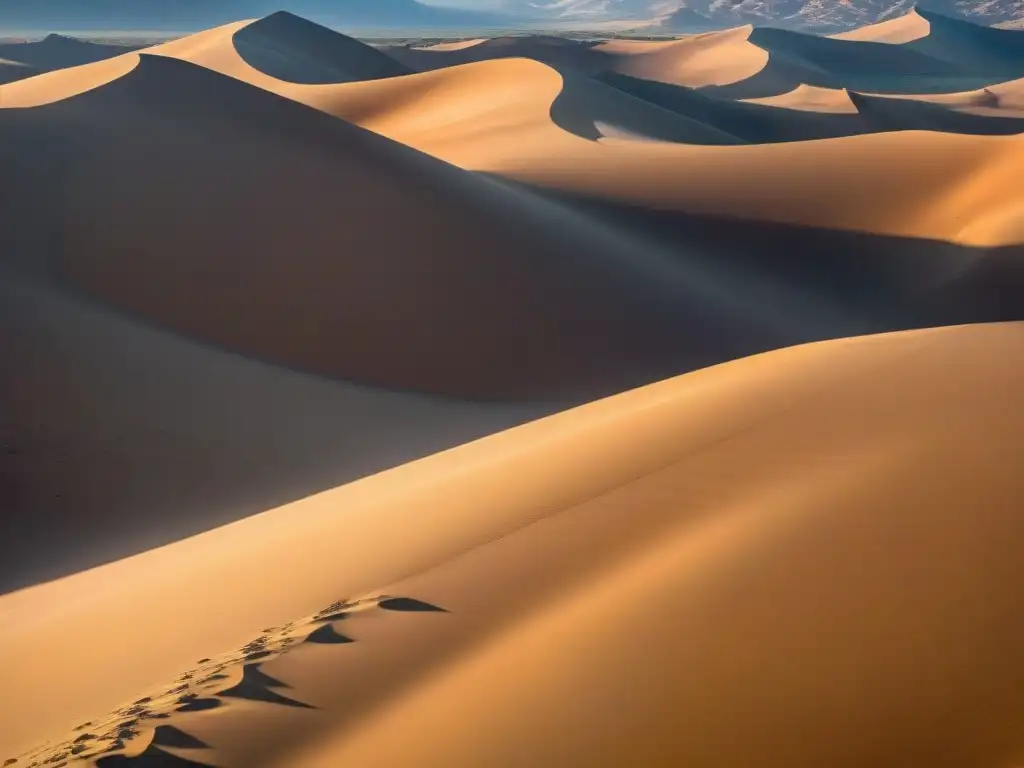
(59, 51)
(327, 635)
(409, 605)
(292, 49)
(955, 56)
(763, 124)
(170, 736)
(257, 686)
(152, 757)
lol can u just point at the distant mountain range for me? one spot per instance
(831, 15)
(188, 15)
(660, 16)
(819, 15)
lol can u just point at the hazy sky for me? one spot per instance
(480, 5)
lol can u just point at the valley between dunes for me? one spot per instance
(514, 401)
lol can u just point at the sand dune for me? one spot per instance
(14, 70)
(808, 113)
(118, 437)
(516, 91)
(998, 100)
(65, 83)
(320, 181)
(713, 58)
(708, 59)
(737, 554)
(618, 289)
(902, 29)
(922, 52)
(58, 51)
(287, 47)
(23, 60)
(491, 117)
(268, 267)
(517, 95)
(455, 45)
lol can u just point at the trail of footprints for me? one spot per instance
(103, 743)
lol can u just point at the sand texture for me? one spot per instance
(513, 401)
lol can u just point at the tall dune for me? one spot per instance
(799, 559)
(713, 58)
(610, 306)
(259, 285)
(118, 437)
(287, 47)
(366, 260)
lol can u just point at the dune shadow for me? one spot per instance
(563, 54)
(327, 635)
(754, 123)
(195, 703)
(762, 123)
(59, 52)
(255, 685)
(292, 49)
(956, 56)
(170, 736)
(854, 283)
(408, 604)
(588, 107)
(152, 757)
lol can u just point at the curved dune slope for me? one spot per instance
(714, 58)
(58, 51)
(65, 83)
(812, 113)
(11, 71)
(514, 118)
(753, 558)
(329, 248)
(287, 47)
(902, 29)
(542, 100)
(615, 297)
(497, 98)
(954, 55)
(119, 438)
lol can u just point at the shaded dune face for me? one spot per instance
(765, 123)
(116, 437)
(771, 561)
(294, 237)
(553, 51)
(289, 48)
(58, 51)
(953, 56)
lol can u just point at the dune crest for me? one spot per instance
(605, 580)
(902, 29)
(519, 401)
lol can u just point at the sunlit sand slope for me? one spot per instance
(118, 437)
(350, 255)
(799, 559)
